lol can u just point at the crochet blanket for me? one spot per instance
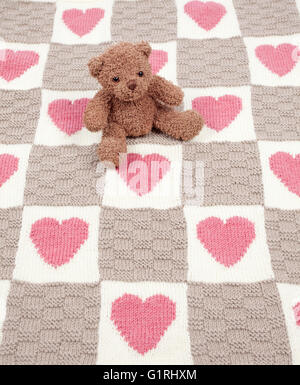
(196, 264)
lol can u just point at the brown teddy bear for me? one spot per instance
(132, 101)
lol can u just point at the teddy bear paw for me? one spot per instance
(192, 124)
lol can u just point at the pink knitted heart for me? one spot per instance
(15, 64)
(142, 174)
(206, 15)
(287, 169)
(143, 324)
(296, 309)
(68, 116)
(226, 242)
(81, 23)
(218, 113)
(157, 59)
(278, 59)
(58, 243)
(8, 166)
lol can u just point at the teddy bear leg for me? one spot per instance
(180, 125)
(113, 144)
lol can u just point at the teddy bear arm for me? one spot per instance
(113, 144)
(165, 91)
(96, 113)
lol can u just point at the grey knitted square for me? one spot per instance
(212, 62)
(26, 22)
(62, 176)
(154, 21)
(10, 226)
(142, 244)
(283, 236)
(232, 172)
(267, 17)
(67, 67)
(232, 324)
(53, 324)
(19, 114)
(276, 112)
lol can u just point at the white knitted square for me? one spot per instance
(61, 119)
(163, 60)
(226, 111)
(140, 186)
(13, 167)
(227, 244)
(205, 20)
(26, 72)
(143, 345)
(273, 60)
(82, 23)
(280, 170)
(58, 244)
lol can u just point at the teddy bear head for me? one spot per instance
(124, 70)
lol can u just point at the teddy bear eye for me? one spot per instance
(141, 73)
(116, 79)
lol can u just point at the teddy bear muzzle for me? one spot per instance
(131, 85)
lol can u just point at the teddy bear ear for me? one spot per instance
(95, 65)
(144, 47)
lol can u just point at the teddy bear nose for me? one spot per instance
(131, 85)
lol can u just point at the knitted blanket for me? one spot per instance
(196, 264)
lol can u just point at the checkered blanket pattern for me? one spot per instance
(201, 267)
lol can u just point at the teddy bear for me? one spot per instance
(132, 100)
